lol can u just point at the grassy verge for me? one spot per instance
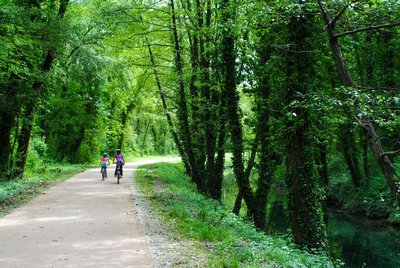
(14, 193)
(230, 241)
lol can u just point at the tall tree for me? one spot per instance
(186, 134)
(304, 201)
(29, 109)
(228, 72)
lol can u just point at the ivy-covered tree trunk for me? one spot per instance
(185, 132)
(267, 161)
(196, 124)
(323, 162)
(304, 200)
(214, 185)
(233, 113)
(250, 163)
(220, 148)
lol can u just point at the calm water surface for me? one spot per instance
(362, 243)
(356, 241)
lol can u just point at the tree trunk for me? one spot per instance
(74, 149)
(210, 138)
(24, 138)
(145, 133)
(233, 114)
(304, 201)
(250, 164)
(124, 119)
(167, 114)
(220, 159)
(183, 111)
(25, 135)
(383, 160)
(267, 163)
(6, 123)
(323, 162)
(350, 152)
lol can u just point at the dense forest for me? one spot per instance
(298, 99)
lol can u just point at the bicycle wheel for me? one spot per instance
(118, 176)
(103, 174)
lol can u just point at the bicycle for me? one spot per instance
(103, 173)
(118, 174)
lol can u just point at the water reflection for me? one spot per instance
(356, 241)
(362, 243)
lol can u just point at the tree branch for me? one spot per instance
(390, 153)
(375, 27)
(324, 14)
(333, 21)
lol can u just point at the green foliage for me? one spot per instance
(394, 218)
(234, 242)
(372, 199)
(101, 93)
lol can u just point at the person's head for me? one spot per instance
(118, 151)
(105, 154)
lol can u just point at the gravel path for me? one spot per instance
(86, 222)
(168, 248)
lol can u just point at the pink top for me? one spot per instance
(120, 159)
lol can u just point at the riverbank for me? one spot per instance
(371, 199)
(358, 203)
(379, 220)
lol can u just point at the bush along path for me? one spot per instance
(81, 222)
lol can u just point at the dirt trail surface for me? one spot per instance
(81, 222)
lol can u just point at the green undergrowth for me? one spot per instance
(14, 193)
(230, 241)
(372, 199)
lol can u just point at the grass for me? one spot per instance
(230, 241)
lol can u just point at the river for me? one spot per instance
(356, 241)
(359, 242)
